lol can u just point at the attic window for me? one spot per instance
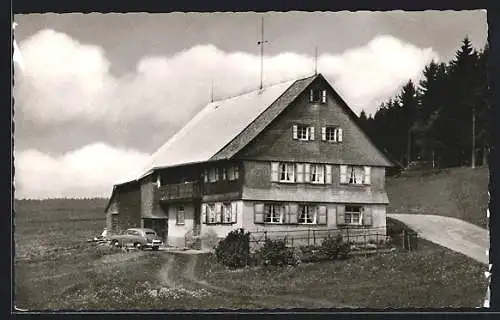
(317, 96)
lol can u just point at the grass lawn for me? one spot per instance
(56, 269)
(430, 277)
(456, 192)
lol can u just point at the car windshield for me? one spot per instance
(150, 233)
(131, 232)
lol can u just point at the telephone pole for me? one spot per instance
(261, 44)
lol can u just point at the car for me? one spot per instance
(140, 238)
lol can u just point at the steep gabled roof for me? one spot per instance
(217, 126)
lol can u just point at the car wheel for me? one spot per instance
(116, 243)
(138, 246)
(155, 248)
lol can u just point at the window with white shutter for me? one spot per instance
(286, 172)
(322, 215)
(307, 214)
(227, 212)
(317, 173)
(357, 175)
(317, 95)
(333, 134)
(273, 213)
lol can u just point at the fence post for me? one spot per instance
(314, 237)
(292, 241)
(347, 231)
(265, 235)
(308, 236)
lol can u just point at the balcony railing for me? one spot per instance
(179, 191)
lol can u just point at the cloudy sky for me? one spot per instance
(100, 92)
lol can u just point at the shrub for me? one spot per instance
(335, 248)
(209, 239)
(234, 250)
(276, 253)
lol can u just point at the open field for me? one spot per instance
(456, 192)
(56, 269)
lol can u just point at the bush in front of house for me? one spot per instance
(276, 253)
(234, 250)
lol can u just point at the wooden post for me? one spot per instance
(314, 237)
(308, 236)
(473, 160)
(265, 235)
(347, 231)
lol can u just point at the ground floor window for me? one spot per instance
(219, 212)
(272, 213)
(307, 214)
(180, 217)
(353, 215)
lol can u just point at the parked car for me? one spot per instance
(140, 238)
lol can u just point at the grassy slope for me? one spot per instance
(56, 268)
(457, 192)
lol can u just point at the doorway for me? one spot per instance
(159, 225)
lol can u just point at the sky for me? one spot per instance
(99, 93)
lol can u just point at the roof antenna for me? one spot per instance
(261, 44)
(316, 60)
(212, 91)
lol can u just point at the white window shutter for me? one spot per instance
(311, 95)
(300, 172)
(203, 213)
(294, 132)
(234, 211)
(367, 216)
(321, 173)
(206, 176)
(321, 215)
(367, 175)
(274, 171)
(218, 212)
(328, 178)
(258, 213)
(293, 172)
(323, 133)
(323, 96)
(311, 133)
(339, 135)
(307, 172)
(343, 174)
(340, 215)
(292, 213)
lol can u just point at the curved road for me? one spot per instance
(454, 234)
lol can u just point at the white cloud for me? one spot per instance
(86, 172)
(65, 81)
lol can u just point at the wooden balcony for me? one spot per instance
(179, 192)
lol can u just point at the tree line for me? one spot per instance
(440, 120)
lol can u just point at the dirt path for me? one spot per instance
(451, 233)
(188, 278)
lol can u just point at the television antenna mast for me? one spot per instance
(261, 44)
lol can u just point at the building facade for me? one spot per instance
(286, 157)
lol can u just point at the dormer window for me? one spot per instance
(317, 96)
